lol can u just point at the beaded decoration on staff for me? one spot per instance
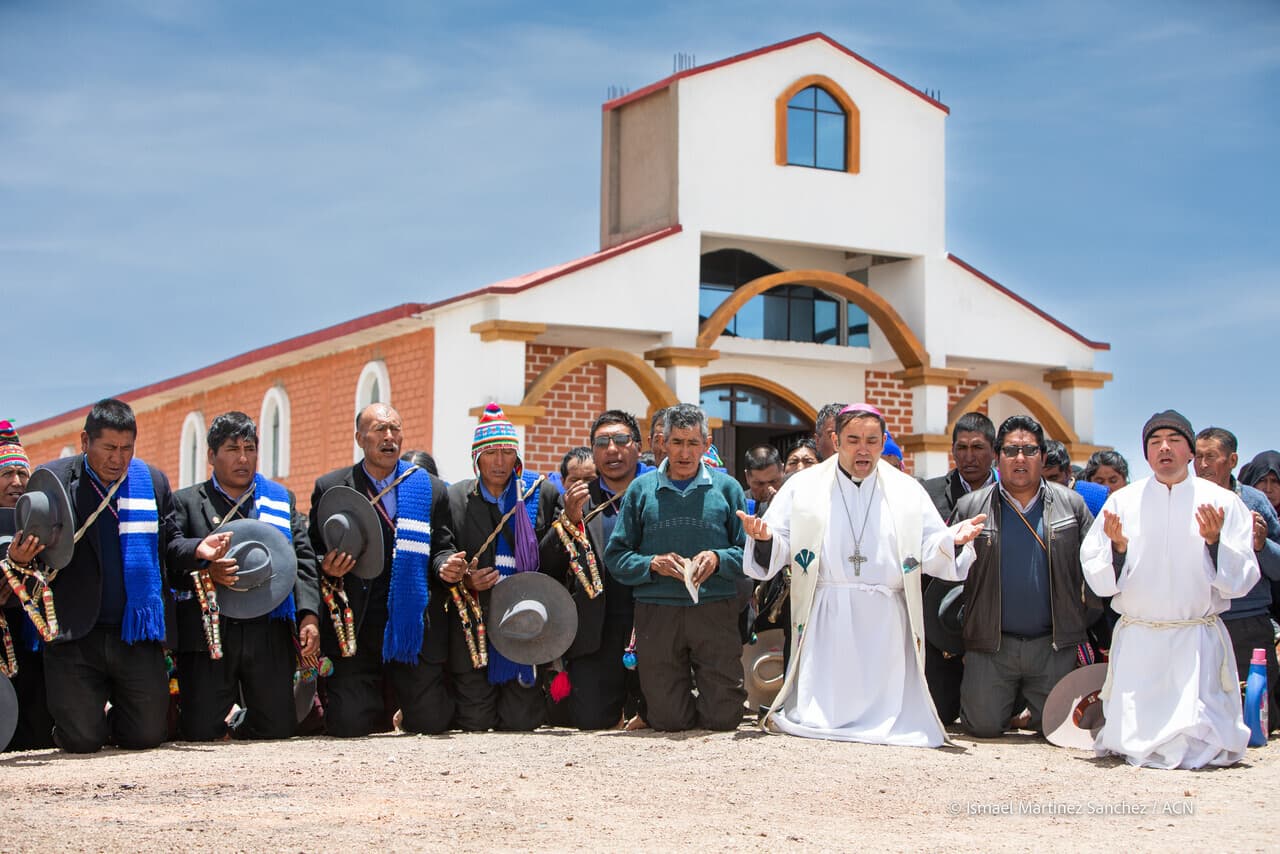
(8, 659)
(344, 624)
(574, 539)
(41, 612)
(466, 606)
(210, 614)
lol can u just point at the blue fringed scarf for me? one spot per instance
(140, 555)
(271, 505)
(508, 560)
(407, 596)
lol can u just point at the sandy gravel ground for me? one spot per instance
(558, 789)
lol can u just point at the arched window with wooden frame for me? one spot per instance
(817, 125)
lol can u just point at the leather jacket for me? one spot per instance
(1073, 605)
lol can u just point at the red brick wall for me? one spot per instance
(572, 405)
(321, 395)
(894, 401)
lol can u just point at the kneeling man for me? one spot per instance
(857, 533)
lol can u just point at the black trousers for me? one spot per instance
(83, 675)
(256, 671)
(944, 675)
(34, 730)
(599, 679)
(510, 707)
(1246, 635)
(682, 647)
(355, 701)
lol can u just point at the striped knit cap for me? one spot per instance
(494, 431)
(11, 453)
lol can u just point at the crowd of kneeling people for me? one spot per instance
(619, 591)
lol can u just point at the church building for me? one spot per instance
(772, 238)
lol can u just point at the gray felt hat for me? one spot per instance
(45, 511)
(8, 711)
(1073, 710)
(268, 568)
(532, 618)
(348, 523)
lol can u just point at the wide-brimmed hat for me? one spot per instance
(8, 527)
(267, 569)
(532, 618)
(45, 511)
(944, 616)
(348, 523)
(1073, 711)
(8, 711)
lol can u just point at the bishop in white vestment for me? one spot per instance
(857, 533)
(1172, 550)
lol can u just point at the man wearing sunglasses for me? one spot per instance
(598, 689)
(1027, 607)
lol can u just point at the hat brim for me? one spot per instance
(936, 631)
(56, 554)
(8, 527)
(1079, 688)
(344, 499)
(8, 711)
(263, 599)
(562, 617)
(304, 695)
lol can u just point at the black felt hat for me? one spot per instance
(268, 568)
(45, 511)
(349, 524)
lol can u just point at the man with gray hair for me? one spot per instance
(678, 542)
(824, 429)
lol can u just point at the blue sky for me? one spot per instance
(184, 181)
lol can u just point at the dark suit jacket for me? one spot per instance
(475, 519)
(616, 601)
(77, 589)
(370, 597)
(945, 492)
(195, 509)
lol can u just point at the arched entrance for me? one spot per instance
(1037, 403)
(753, 411)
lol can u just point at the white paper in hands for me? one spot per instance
(687, 569)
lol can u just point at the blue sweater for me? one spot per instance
(657, 517)
(1257, 602)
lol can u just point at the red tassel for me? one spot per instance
(560, 687)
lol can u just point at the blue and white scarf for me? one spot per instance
(140, 556)
(523, 557)
(271, 505)
(407, 596)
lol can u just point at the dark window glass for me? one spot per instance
(788, 313)
(743, 405)
(816, 130)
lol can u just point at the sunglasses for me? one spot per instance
(1028, 451)
(619, 439)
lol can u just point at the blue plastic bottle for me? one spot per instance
(1255, 699)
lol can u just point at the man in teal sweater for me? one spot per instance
(678, 526)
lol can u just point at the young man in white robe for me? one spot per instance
(1172, 550)
(857, 534)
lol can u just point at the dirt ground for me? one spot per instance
(558, 789)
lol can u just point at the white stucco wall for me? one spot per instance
(731, 184)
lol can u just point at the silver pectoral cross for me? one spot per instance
(857, 559)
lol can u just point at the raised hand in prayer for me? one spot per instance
(214, 546)
(1259, 531)
(23, 550)
(337, 564)
(756, 528)
(574, 498)
(1210, 519)
(1115, 531)
(454, 568)
(968, 530)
